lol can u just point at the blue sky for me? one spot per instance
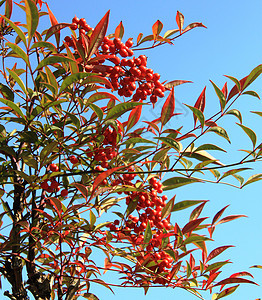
(231, 45)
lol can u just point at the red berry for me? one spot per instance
(74, 160)
(75, 20)
(82, 22)
(53, 168)
(129, 43)
(64, 193)
(74, 26)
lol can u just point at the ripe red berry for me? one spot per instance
(64, 193)
(74, 26)
(129, 43)
(74, 160)
(75, 20)
(82, 22)
(53, 168)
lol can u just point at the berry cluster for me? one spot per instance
(83, 28)
(54, 185)
(129, 75)
(106, 151)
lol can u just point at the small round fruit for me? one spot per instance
(64, 193)
(73, 159)
(53, 168)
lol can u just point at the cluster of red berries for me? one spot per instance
(106, 150)
(54, 185)
(129, 75)
(83, 28)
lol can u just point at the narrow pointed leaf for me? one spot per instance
(180, 21)
(251, 93)
(17, 79)
(234, 280)
(19, 32)
(252, 76)
(217, 251)
(185, 204)
(8, 8)
(54, 22)
(19, 51)
(251, 134)
(73, 78)
(168, 208)
(53, 60)
(32, 18)
(227, 292)
(174, 83)
(200, 103)
(220, 95)
(220, 131)
(235, 113)
(168, 108)
(13, 106)
(134, 117)
(148, 234)
(198, 115)
(175, 182)
(191, 225)
(120, 109)
(209, 147)
(98, 35)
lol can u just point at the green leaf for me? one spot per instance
(235, 113)
(170, 32)
(170, 142)
(220, 131)
(185, 204)
(198, 114)
(73, 78)
(19, 32)
(138, 140)
(14, 107)
(252, 179)
(32, 18)
(251, 93)
(233, 172)
(98, 111)
(216, 265)
(17, 79)
(168, 208)
(46, 151)
(252, 76)
(148, 234)
(120, 109)
(175, 182)
(251, 134)
(237, 83)
(19, 51)
(220, 95)
(195, 238)
(43, 44)
(209, 147)
(53, 60)
(6, 92)
(226, 292)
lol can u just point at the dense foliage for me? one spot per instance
(81, 172)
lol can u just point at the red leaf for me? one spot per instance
(101, 177)
(216, 252)
(82, 189)
(211, 278)
(235, 90)
(180, 20)
(119, 32)
(218, 215)
(134, 116)
(224, 90)
(200, 103)
(230, 218)
(192, 225)
(174, 83)
(53, 21)
(157, 28)
(234, 280)
(244, 273)
(98, 35)
(168, 108)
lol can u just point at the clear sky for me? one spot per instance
(231, 45)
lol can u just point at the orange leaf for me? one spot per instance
(119, 32)
(53, 21)
(180, 20)
(157, 28)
